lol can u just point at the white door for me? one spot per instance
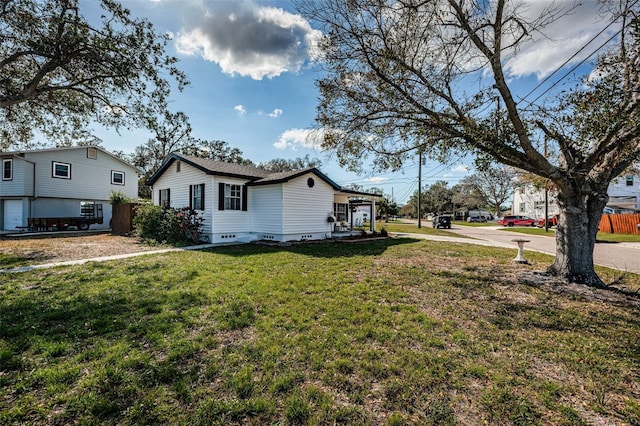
(12, 214)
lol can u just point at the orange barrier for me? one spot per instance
(619, 223)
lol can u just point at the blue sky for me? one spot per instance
(252, 79)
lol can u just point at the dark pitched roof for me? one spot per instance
(287, 176)
(210, 167)
(255, 175)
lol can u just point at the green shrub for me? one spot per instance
(168, 225)
(119, 198)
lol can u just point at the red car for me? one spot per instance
(516, 221)
(551, 221)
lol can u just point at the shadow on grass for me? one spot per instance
(10, 261)
(323, 249)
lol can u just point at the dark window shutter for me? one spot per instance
(159, 197)
(202, 194)
(221, 196)
(190, 196)
(168, 197)
(244, 198)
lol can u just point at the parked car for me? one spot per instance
(476, 219)
(552, 220)
(441, 221)
(516, 221)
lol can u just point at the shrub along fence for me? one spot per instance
(620, 223)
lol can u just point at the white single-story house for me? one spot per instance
(73, 183)
(242, 203)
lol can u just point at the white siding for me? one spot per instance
(90, 178)
(265, 206)
(306, 209)
(229, 222)
(21, 184)
(178, 183)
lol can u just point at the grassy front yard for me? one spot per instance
(412, 228)
(390, 332)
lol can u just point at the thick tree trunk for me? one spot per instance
(580, 216)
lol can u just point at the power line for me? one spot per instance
(567, 61)
(573, 56)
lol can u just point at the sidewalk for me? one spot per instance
(102, 258)
(624, 257)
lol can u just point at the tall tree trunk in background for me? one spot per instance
(580, 216)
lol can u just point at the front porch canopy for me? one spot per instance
(355, 199)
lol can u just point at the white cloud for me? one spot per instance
(460, 169)
(248, 39)
(275, 113)
(376, 179)
(293, 138)
(240, 109)
(559, 40)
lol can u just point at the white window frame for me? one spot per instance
(629, 180)
(10, 162)
(54, 173)
(232, 196)
(113, 175)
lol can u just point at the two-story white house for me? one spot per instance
(243, 203)
(624, 195)
(62, 182)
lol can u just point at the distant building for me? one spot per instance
(624, 196)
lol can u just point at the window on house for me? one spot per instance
(61, 170)
(7, 169)
(197, 197)
(232, 197)
(340, 211)
(629, 180)
(177, 167)
(117, 178)
(92, 153)
(522, 207)
(164, 198)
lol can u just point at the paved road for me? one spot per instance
(621, 256)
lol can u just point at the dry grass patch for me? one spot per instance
(33, 251)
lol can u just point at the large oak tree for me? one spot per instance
(425, 74)
(61, 71)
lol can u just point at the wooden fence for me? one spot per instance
(122, 218)
(620, 223)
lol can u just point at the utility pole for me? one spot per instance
(420, 188)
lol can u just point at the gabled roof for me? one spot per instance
(287, 176)
(255, 175)
(210, 167)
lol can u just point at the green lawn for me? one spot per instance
(412, 228)
(602, 236)
(390, 332)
